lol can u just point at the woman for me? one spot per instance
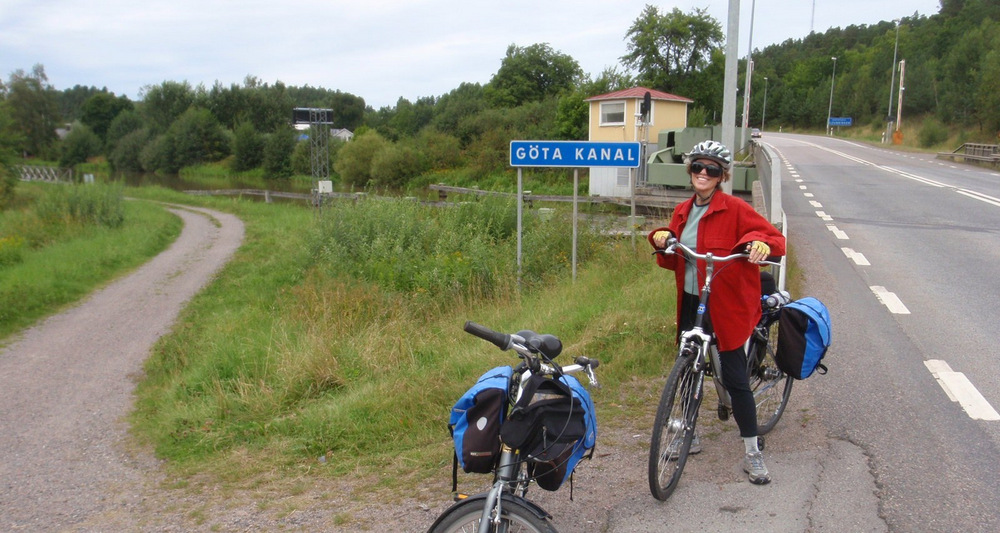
(713, 221)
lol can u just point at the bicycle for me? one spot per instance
(677, 414)
(505, 507)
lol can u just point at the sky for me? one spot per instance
(380, 50)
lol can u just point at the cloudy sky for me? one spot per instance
(380, 50)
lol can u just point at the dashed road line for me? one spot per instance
(814, 203)
(858, 257)
(837, 232)
(959, 389)
(824, 216)
(890, 300)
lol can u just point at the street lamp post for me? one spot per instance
(829, 109)
(763, 113)
(892, 83)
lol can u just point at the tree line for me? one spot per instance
(952, 74)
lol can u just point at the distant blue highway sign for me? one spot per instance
(841, 121)
(574, 154)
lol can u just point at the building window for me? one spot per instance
(612, 113)
(624, 173)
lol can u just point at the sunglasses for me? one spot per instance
(713, 171)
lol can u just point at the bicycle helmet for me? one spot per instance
(713, 150)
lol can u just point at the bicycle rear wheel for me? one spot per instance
(673, 429)
(771, 387)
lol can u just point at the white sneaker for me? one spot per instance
(753, 465)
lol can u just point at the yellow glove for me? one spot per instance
(758, 251)
(760, 246)
(660, 238)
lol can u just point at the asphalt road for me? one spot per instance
(903, 249)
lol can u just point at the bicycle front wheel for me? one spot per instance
(771, 387)
(515, 517)
(673, 429)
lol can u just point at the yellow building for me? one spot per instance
(613, 118)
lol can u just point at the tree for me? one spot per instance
(531, 74)
(278, 153)
(163, 103)
(100, 110)
(9, 141)
(124, 123)
(248, 148)
(665, 48)
(126, 156)
(196, 137)
(32, 105)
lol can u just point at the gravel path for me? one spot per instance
(66, 383)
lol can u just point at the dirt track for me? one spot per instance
(66, 383)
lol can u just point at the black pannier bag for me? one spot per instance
(548, 425)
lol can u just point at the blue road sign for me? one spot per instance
(841, 121)
(574, 154)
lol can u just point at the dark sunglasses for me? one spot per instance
(713, 171)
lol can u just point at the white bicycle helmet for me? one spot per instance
(713, 150)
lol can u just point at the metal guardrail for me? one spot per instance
(977, 153)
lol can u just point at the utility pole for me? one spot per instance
(892, 84)
(729, 83)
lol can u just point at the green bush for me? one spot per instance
(394, 165)
(354, 161)
(126, 155)
(80, 143)
(97, 204)
(248, 148)
(932, 133)
(278, 154)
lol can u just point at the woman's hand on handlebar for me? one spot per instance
(660, 238)
(758, 250)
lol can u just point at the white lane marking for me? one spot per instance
(858, 258)
(814, 203)
(798, 181)
(824, 216)
(979, 196)
(959, 389)
(802, 187)
(808, 194)
(840, 234)
(890, 300)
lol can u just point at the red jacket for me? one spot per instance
(727, 226)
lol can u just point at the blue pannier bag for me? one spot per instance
(476, 419)
(804, 336)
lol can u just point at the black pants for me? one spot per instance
(734, 371)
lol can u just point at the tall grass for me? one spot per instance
(62, 241)
(340, 336)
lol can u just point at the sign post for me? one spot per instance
(568, 154)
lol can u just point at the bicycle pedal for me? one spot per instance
(458, 496)
(723, 412)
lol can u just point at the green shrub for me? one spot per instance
(394, 165)
(97, 204)
(10, 250)
(248, 148)
(354, 161)
(80, 143)
(126, 155)
(932, 133)
(278, 154)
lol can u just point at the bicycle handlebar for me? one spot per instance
(673, 244)
(528, 342)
